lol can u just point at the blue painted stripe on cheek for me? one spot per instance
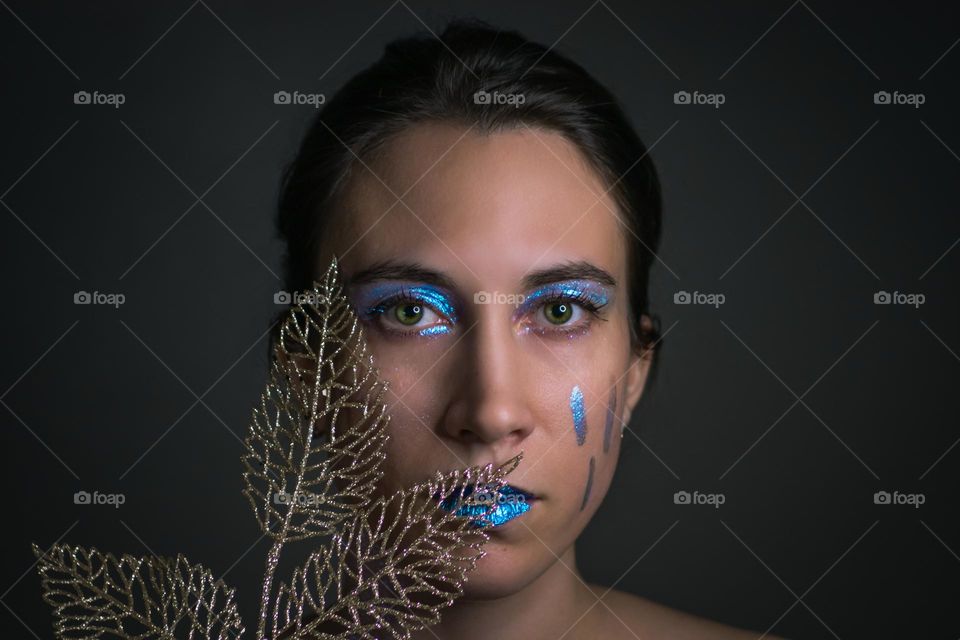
(611, 414)
(579, 415)
(586, 491)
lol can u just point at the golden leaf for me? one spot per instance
(311, 468)
(315, 444)
(394, 567)
(95, 594)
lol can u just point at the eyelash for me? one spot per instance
(580, 298)
(401, 297)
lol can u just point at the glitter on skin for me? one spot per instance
(579, 415)
(611, 413)
(436, 298)
(586, 492)
(376, 299)
(593, 291)
(435, 330)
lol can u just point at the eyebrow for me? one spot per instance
(398, 270)
(574, 270)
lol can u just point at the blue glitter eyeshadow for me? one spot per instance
(435, 330)
(579, 415)
(586, 289)
(376, 299)
(436, 298)
(513, 502)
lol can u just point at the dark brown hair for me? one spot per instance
(428, 78)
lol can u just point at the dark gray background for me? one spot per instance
(797, 399)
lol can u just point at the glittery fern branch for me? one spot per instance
(391, 569)
(315, 444)
(95, 594)
(312, 466)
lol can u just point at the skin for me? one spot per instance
(486, 211)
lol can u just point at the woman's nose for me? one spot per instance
(490, 401)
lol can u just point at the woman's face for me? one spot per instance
(494, 301)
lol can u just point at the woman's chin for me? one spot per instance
(503, 571)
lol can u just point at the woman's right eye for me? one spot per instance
(404, 310)
(409, 317)
(408, 314)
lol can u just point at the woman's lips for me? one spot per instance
(512, 502)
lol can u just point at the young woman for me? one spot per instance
(495, 218)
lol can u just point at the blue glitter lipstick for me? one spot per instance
(513, 502)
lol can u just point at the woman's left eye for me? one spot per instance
(558, 312)
(564, 314)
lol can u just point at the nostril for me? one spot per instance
(467, 436)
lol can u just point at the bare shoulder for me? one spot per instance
(632, 615)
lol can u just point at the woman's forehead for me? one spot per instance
(494, 206)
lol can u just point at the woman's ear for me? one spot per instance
(639, 368)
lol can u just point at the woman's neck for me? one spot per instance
(547, 607)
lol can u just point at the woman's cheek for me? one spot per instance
(408, 401)
(594, 428)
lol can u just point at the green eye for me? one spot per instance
(408, 314)
(558, 312)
